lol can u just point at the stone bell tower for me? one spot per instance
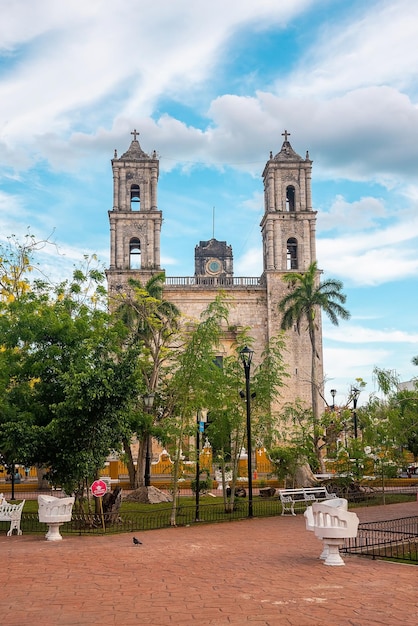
(135, 221)
(288, 230)
(288, 225)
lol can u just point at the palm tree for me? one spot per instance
(153, 324)
(304, 303)
(152, 321)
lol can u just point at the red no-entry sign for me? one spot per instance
(98, 488)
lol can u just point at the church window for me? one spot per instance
(135, 198)
(290, 198)
(134, 254)
(292, 254)
(219, 361)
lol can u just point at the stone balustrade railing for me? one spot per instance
(213, 281)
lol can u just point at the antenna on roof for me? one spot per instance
(213, 222)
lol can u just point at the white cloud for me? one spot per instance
(382, 267)
(377, 141)
(167, 261)
(349, 333)
(255, 203)
(99, 50)
(388, 253)
(250, 263)
(357, 215)
(345, 365)
(348, 363)
(357, 53)
(123, 65)
(9, 204)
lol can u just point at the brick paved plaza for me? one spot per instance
(259, 571)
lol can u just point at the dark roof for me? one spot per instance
(134, 153)
(287, 153)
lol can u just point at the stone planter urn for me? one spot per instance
(218, 478)
(54, 512)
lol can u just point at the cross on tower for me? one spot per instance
(285, 135)
(134, 133)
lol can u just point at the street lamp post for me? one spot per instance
(13, 477)
(197, 495)
(333, 393)
(200, 420)
(246, 357)
(148, 404)
(355, 394)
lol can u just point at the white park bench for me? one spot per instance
(12, 513)
(304, 495)
(54, 512)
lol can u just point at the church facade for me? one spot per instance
(287, 236)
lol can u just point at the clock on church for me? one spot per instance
(213, 266)
(213, 258)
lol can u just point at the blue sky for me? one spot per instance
(211, 87)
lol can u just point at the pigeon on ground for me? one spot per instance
(136, 541)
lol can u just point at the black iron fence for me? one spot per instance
(392, 539)
(155, 517)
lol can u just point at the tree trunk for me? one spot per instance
(111, 505)
(304, 476)
(40, 473)
(136, 474)
(176, 471)
(314, 395)
(319, 456)
(314, 390)
(130, 462)
(140, 464)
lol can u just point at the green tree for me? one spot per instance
(65, 379)
(303, 304)
(226, 431)
(17, 265)
(268, 378)
(192, 378)
(219, 389)
(153, 326)
(286, 461)
(395, 415)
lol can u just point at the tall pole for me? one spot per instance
(148, 402)
(13, 479)
(197, 495)
(148, 463)
(355, 418)
(246, 356)
(356, 393)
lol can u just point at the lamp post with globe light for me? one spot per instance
(355, 394)
(333, 393)
(246, 357)
(148, 404)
